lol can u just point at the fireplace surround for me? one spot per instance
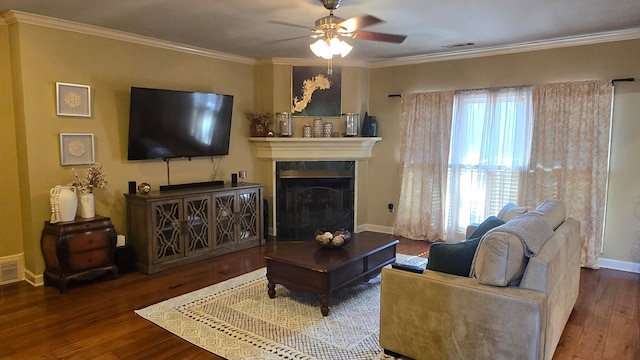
(303, 160)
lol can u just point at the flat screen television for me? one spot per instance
(165, 124)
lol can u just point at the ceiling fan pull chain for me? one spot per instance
(330, 67)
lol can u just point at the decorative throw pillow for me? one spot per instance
(510, 211)
(488, 224)
(453, 258)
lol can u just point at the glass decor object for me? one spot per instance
(351, 121)
(328, 129)
(318, 127)
(307, 131)
(284, 124)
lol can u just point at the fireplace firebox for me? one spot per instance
(312, 196)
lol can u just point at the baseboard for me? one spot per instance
(619, 265)
(33, 279)
(376, 228)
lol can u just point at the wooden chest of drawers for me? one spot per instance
(78, 250)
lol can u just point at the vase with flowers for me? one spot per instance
(93, 178)
(260, 122)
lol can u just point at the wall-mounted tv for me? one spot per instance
(166, 124)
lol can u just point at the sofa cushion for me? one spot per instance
(511, 210)
(499, 260)
(453, 258)
(488, 224)
(553, 211)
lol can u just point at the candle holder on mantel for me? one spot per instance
(284, 123)
(351, 121)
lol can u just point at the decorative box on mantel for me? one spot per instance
(345, 148)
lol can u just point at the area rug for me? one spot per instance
(236, 319)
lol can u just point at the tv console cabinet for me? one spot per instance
(175, 227)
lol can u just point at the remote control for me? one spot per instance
(407, 267)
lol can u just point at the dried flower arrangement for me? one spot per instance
(261, 118)
(93, 178)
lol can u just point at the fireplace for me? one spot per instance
(310, 155)
(312, 196)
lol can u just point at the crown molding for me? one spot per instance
(630, 34)
(12, 17)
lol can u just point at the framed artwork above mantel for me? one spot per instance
(316, 93)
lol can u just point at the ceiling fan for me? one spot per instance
(330, 31)
(332, 25)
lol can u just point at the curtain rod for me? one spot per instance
(612, 81)
(623, 79)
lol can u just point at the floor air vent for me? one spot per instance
(9, 272)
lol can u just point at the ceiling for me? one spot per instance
(248, 28)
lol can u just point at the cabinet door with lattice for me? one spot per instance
(248, 215)
(197, 225)
(167, 230)
(225, 228)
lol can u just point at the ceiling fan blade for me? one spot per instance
(359, 22)
(289, 39)
(375, 36)
(289, 24)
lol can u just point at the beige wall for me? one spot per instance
(11, 242)
(603, 61)
(44, 56)
(34, 58)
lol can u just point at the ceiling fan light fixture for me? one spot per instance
(334, 44)
(345, 48)
(321, 48)
(326, 49)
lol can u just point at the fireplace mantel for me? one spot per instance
(288, 148)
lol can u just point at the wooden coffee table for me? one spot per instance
(308, 267)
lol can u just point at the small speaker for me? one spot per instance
(234, 178)
(132, 187)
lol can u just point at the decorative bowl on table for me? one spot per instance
(331, 240)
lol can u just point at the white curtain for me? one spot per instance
(489, 154)
(425, 135)
(570, 152)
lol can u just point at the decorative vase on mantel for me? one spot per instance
(86, 206)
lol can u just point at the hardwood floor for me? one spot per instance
(95, 320)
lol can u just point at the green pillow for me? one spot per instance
(488, 224)
(453, 258)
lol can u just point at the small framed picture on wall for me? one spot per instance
(73, 100)
(76, 149)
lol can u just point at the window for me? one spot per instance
(490, 146)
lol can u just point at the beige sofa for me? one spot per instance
(514, 307)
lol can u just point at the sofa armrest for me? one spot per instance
(470, 229)
(441, 316)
